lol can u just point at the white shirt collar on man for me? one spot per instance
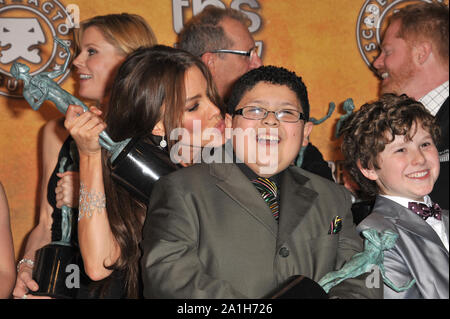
(437, 225)
(434, 99)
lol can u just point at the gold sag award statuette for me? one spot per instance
(27, 30)
(372, 21)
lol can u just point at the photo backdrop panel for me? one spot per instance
(329, 43)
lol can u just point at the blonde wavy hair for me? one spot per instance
(126, 32)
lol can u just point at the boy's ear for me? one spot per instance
(306, 131)
(369, 173)
(159, 129)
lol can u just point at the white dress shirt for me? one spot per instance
(434, 99)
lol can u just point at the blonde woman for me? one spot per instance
(103, 43)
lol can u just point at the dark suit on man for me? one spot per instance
(209, 234)
(440, 193)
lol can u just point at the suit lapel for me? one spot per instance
(296, 202)
(237, 187)
(445, 221)
(407, 220)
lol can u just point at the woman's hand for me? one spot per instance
(25, 283)
(67, 189)
(85, 128)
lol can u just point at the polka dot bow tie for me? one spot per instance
(424, 211)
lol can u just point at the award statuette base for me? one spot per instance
(300, 287)
(139, 166)
(50, 270)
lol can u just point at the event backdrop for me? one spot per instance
(329, 43)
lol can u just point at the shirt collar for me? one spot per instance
(404, 201)
(434, 99)
(251, 175)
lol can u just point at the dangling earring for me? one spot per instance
(163, 143)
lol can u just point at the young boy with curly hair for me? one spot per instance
(390, 151)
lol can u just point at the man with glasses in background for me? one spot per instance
(244, 229)
(220, 37)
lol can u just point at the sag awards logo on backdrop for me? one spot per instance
(197, 6)
(27, 30)
(371, 22)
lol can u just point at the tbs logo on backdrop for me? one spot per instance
(27, 30)
(372, 21)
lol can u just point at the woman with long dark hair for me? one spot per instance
(103, 42)
(156, 91)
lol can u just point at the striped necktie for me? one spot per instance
(269, 193)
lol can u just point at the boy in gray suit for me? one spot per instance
(390, 150)
(243, 228)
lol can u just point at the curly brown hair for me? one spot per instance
(367, 132)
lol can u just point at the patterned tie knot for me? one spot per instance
(424, 211)
(269, 193)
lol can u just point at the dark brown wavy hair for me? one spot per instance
(149, 87)
(367, 132)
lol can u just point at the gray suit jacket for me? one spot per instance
(209, 234)
(418, 252)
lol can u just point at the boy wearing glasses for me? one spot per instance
(221, 38)
(242, 229)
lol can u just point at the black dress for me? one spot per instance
(70, 165)
(441, 187)
(110, 287)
